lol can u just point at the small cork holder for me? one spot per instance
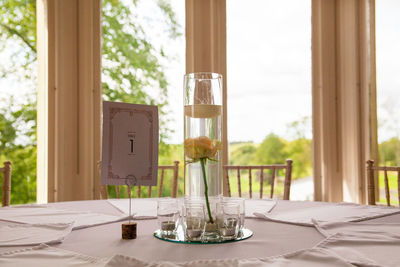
(129, 230)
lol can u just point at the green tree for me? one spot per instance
(389, 152)
(271, 151)
(243, 154)
(18, 144)
(299, 129)
(18, 37)
(300, 151)
(132, 68)
(18, 122)
(300, 148)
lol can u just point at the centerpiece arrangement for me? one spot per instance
(206, 216)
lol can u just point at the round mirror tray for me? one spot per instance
(179, 237)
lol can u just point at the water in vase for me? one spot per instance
(203, 121)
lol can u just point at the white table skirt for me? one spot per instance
(270, 238)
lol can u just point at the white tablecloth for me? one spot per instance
(37, 214)
(382, 249)
(305, 258)
(340, 212)
(45, 256)
(33, 234)
(270, 238)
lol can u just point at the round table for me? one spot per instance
(269, 239)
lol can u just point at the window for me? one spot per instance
(388, 85)
(144, 62)
(269, 87)
(18, 79)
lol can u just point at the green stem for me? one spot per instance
(203, 168)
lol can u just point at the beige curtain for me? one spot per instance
(344, 97)
(69, 98)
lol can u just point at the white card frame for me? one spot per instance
(130, 144)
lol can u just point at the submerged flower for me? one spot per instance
(201, 148)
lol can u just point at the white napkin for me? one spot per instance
(33, 234)
(45, 256)
(339, 212)
(307, 258)
(46, 215)
(141, 208)
(358, 228)
(260, 206)
(382, 249)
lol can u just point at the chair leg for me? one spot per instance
(6, 184)
(371, 182)
(288, 179)
(250, 184)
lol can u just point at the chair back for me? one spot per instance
(274, 168)
(371, 170)
(161, 170)
(6, 188)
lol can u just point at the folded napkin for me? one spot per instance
(307, 258)
(33, 234)
(141, 208)
(358, 228)
(260, 206)
(45, 256)
(45, 215)
(365, 249)
(339, 212)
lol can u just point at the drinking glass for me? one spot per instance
(241, 202)
(210, 229)
(167, 215)
(228, 220)
(194, 221)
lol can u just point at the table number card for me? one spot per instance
(130, 144)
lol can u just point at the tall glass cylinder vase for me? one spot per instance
(203, 134)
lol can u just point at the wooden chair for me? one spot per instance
(371, 169)
(162, 169)
(6, 192)
(261, 168)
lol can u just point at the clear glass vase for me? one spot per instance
(203, 133)
(202, 145)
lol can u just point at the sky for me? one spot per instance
(268, 67)
(388, 68)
